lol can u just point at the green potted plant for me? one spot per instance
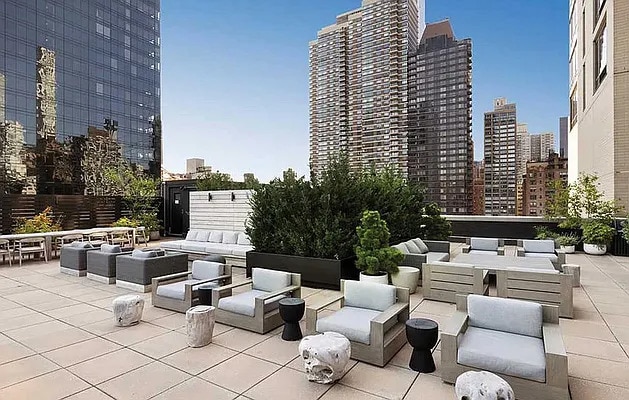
(125, 222)
(151, 224)
(375, 258)
(40, 223)
(567, 243)
(597, 235)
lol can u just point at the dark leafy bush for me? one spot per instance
(318, 218)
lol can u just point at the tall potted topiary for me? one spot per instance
(375, 258)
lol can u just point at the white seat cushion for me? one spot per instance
(173, 245)
(351, 322)
(177, 290)
(538, 246)
(217, 248)
(245, 303)
(206, 269)
(484, 244)
(490, 252)
(507, 315)
(551, 256)
(434, 256)
(268, 280)
(504, 353)
(198, 247)
(241, 250)
(369, 295)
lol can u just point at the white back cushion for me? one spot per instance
(373, 296)
(206, 269)
(422, 246)
(268, 280)
(538, 246)
(243, 239)
(506, 315)
(202, 236)
(402, 247)
(216, 237)
(412, 247)
(143, 254)
(108, 248)
(484, 244)
(230, 237)
(192, 234)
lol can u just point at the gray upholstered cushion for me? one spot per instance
(192, 234)
(487, 252)
(353, 323)
(202, 236)
(108, 248)
(206, 269)
(484, 244)
(403, 248)
(216, 237)
(538, 246)
(230, 237)
(422, 246)
(244, 303)
(175, 290)
(243, 239)
(82, 245)
(504, 353)
(434, 256)
(373, 296)
(412, 247)
(507, 315)
(144, 254)
(269, 280)
(551, 256)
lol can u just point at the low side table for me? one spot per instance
(292, 310)
(204, 293)
(422, 335)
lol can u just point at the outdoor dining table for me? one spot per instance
(494, 262)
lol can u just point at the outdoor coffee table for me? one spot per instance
(291, 311)
(494, 262)
(422, 335)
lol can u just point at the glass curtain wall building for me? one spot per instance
(79, 93)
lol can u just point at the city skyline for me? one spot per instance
(217, 110)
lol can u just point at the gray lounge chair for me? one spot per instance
(73, 259)
(136, 270)
(101, 264)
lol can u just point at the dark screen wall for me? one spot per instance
(67, 66)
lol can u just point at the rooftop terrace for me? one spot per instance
(58, 341)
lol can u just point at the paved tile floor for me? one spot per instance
(58, 341)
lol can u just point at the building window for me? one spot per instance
(598, 8)
(573, 68)
(573, 107)
(600, 56)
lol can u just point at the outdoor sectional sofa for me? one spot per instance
(232, 245)
(418, 252)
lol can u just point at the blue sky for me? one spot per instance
(235, 73)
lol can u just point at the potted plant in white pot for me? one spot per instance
(567, 243)
(597, 235)
(375, 258)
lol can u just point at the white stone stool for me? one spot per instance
(482, 385)
(200, 325)
(325, 356)
(575, 271)
(128, 309)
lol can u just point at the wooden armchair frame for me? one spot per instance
(468, 246)
(561, 256)
(442, 282)
(556, 385)
(387, 332)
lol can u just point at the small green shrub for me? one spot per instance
(543, 232)
(42, 222)
(568, 240)
(126, 222)
(374, 255)
(598, 233)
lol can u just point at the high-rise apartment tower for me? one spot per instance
(440, 147)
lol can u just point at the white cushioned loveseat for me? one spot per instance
(230, 244)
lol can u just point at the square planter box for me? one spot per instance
(321, 273)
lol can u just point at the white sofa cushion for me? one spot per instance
(422, 246)
(403, 248)
(353, 323)
(243, 239)
(412, 247)
(202, 236)
(551, 256)
(269, 280)
(369, 295)
(504, 353)
(507, 315)
(488, 252)
(206, 269)
(435, 256)
(216, 237)
(198, 247)
(173, 245)
(217, 248)
(244, 303)
(486, 244)
(192, 234)
(538, 246)
(241, 250)
(230, 237)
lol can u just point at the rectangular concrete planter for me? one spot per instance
(315, 272)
